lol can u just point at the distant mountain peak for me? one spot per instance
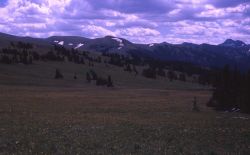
(188, 44)
(109, 37)
(165, 43)
(233, 43)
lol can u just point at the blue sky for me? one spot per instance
(2, 2)
(141, 21)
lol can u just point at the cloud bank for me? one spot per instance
(141, 21)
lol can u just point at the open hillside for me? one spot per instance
(42, 74)
(139, 115)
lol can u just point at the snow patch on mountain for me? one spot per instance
(56, 41)
(119, 48)
(151, 45)
(119, 41)
(61, 43)
(70, 44)
(79, 45)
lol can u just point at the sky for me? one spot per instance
(140, 21)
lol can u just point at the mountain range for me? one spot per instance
(232, 52)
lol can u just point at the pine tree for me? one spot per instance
(100, 81)
(135, 70)
(30, 60)
(5, 59)
(110, 82)
(128, 68)
(232, 91)
(88, 78)
(58, 74)
(171, 75)
(93, 74)
(161, 72)
(182, 77)
(75, 77)
(195, 106)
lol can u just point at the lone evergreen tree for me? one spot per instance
(12, 44)
(171, 75)
(195, 106)
(110, 82)
(75, 77)
(135, 70)
(88, 78)
(93, 74)
(58, 74)
(128, 68)
(30, 60)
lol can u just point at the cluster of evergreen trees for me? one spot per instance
(21, 52)
(232, 90)
(100, 81)
(156, 67)
(17, 53)
(90, 76)
(171, 74)
(123, 61)
(60, 53)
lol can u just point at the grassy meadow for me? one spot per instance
(41, 115)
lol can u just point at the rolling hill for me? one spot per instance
(234, 53)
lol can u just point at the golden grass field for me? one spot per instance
(41, 115)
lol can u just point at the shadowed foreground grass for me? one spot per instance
(97, 120)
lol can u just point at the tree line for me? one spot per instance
(91, 75)
(231, 90)
(21, 52)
